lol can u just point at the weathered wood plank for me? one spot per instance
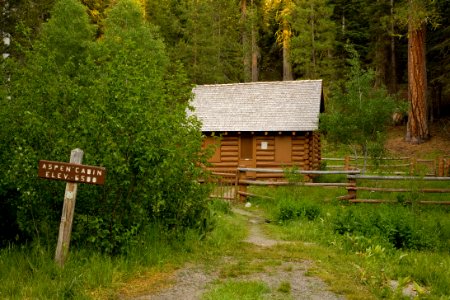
(376, 177)
(395, 190)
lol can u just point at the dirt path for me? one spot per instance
(191, 282)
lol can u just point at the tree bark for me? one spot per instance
(255, 48)
(245, 45)
(417, 127)
(393, 67)
(313, 45)
(287, 67)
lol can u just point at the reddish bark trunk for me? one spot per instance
(417, 127)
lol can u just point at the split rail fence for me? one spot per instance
(234, 186)
(407, 189)
(394, 166)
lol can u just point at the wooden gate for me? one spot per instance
(224, 185)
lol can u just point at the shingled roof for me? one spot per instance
(259, 106)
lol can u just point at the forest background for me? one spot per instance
(225, 41)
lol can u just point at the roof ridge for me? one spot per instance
(260, 82)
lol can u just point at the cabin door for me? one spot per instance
(247, 153)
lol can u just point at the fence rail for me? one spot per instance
(234, 185)
(395, 165)
(354, 185)
(243, 180)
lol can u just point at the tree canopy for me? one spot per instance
(214, 39)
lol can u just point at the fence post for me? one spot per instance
(441, 167)
(351, 191)
(447, 167)
(347, 163)
(242, 187)
(236, 185)
(412, 166)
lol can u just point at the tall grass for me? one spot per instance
(29, 271)
(381, 243)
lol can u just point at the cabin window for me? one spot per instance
(246, 147)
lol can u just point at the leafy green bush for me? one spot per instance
(358, 112)
(292, 209)
(401, 226)
(120, 100)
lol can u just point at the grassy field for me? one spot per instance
(29, 271)
(360, 251)
(380, 245)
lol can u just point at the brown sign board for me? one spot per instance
(71, 172)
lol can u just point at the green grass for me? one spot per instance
(238, 290)
(29, 272)
(358, 250)
(370, 245)
(285, 287)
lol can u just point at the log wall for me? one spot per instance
(270, 151)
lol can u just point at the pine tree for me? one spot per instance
(418, 13)
(281, 11)
(313, 43)
(249, 32)
(359, 112)
(209, 45)
(439, 61)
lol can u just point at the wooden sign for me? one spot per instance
(71, 172)
(74, 173)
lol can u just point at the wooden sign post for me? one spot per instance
(74, 173)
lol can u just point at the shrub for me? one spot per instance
(292, 209)
(121, 101)
(402, 227)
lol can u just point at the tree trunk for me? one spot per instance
(255, 55)
(245, 45)
(381, 60)
(417, 128)
(255, 48)
(393, 67)
(287, 67)
(313, 45)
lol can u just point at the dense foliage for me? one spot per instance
(399, 227)
(359, 112)
(120, 100)
(400, 242)
(213, 39)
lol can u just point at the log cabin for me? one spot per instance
(261, 124)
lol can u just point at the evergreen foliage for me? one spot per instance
(215, 40)
(203, 37)
(313, 43)
(100, 78)
(359, 112)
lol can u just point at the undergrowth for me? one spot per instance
(380, 244)
(29, 271)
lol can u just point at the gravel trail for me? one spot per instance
(191, 282)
